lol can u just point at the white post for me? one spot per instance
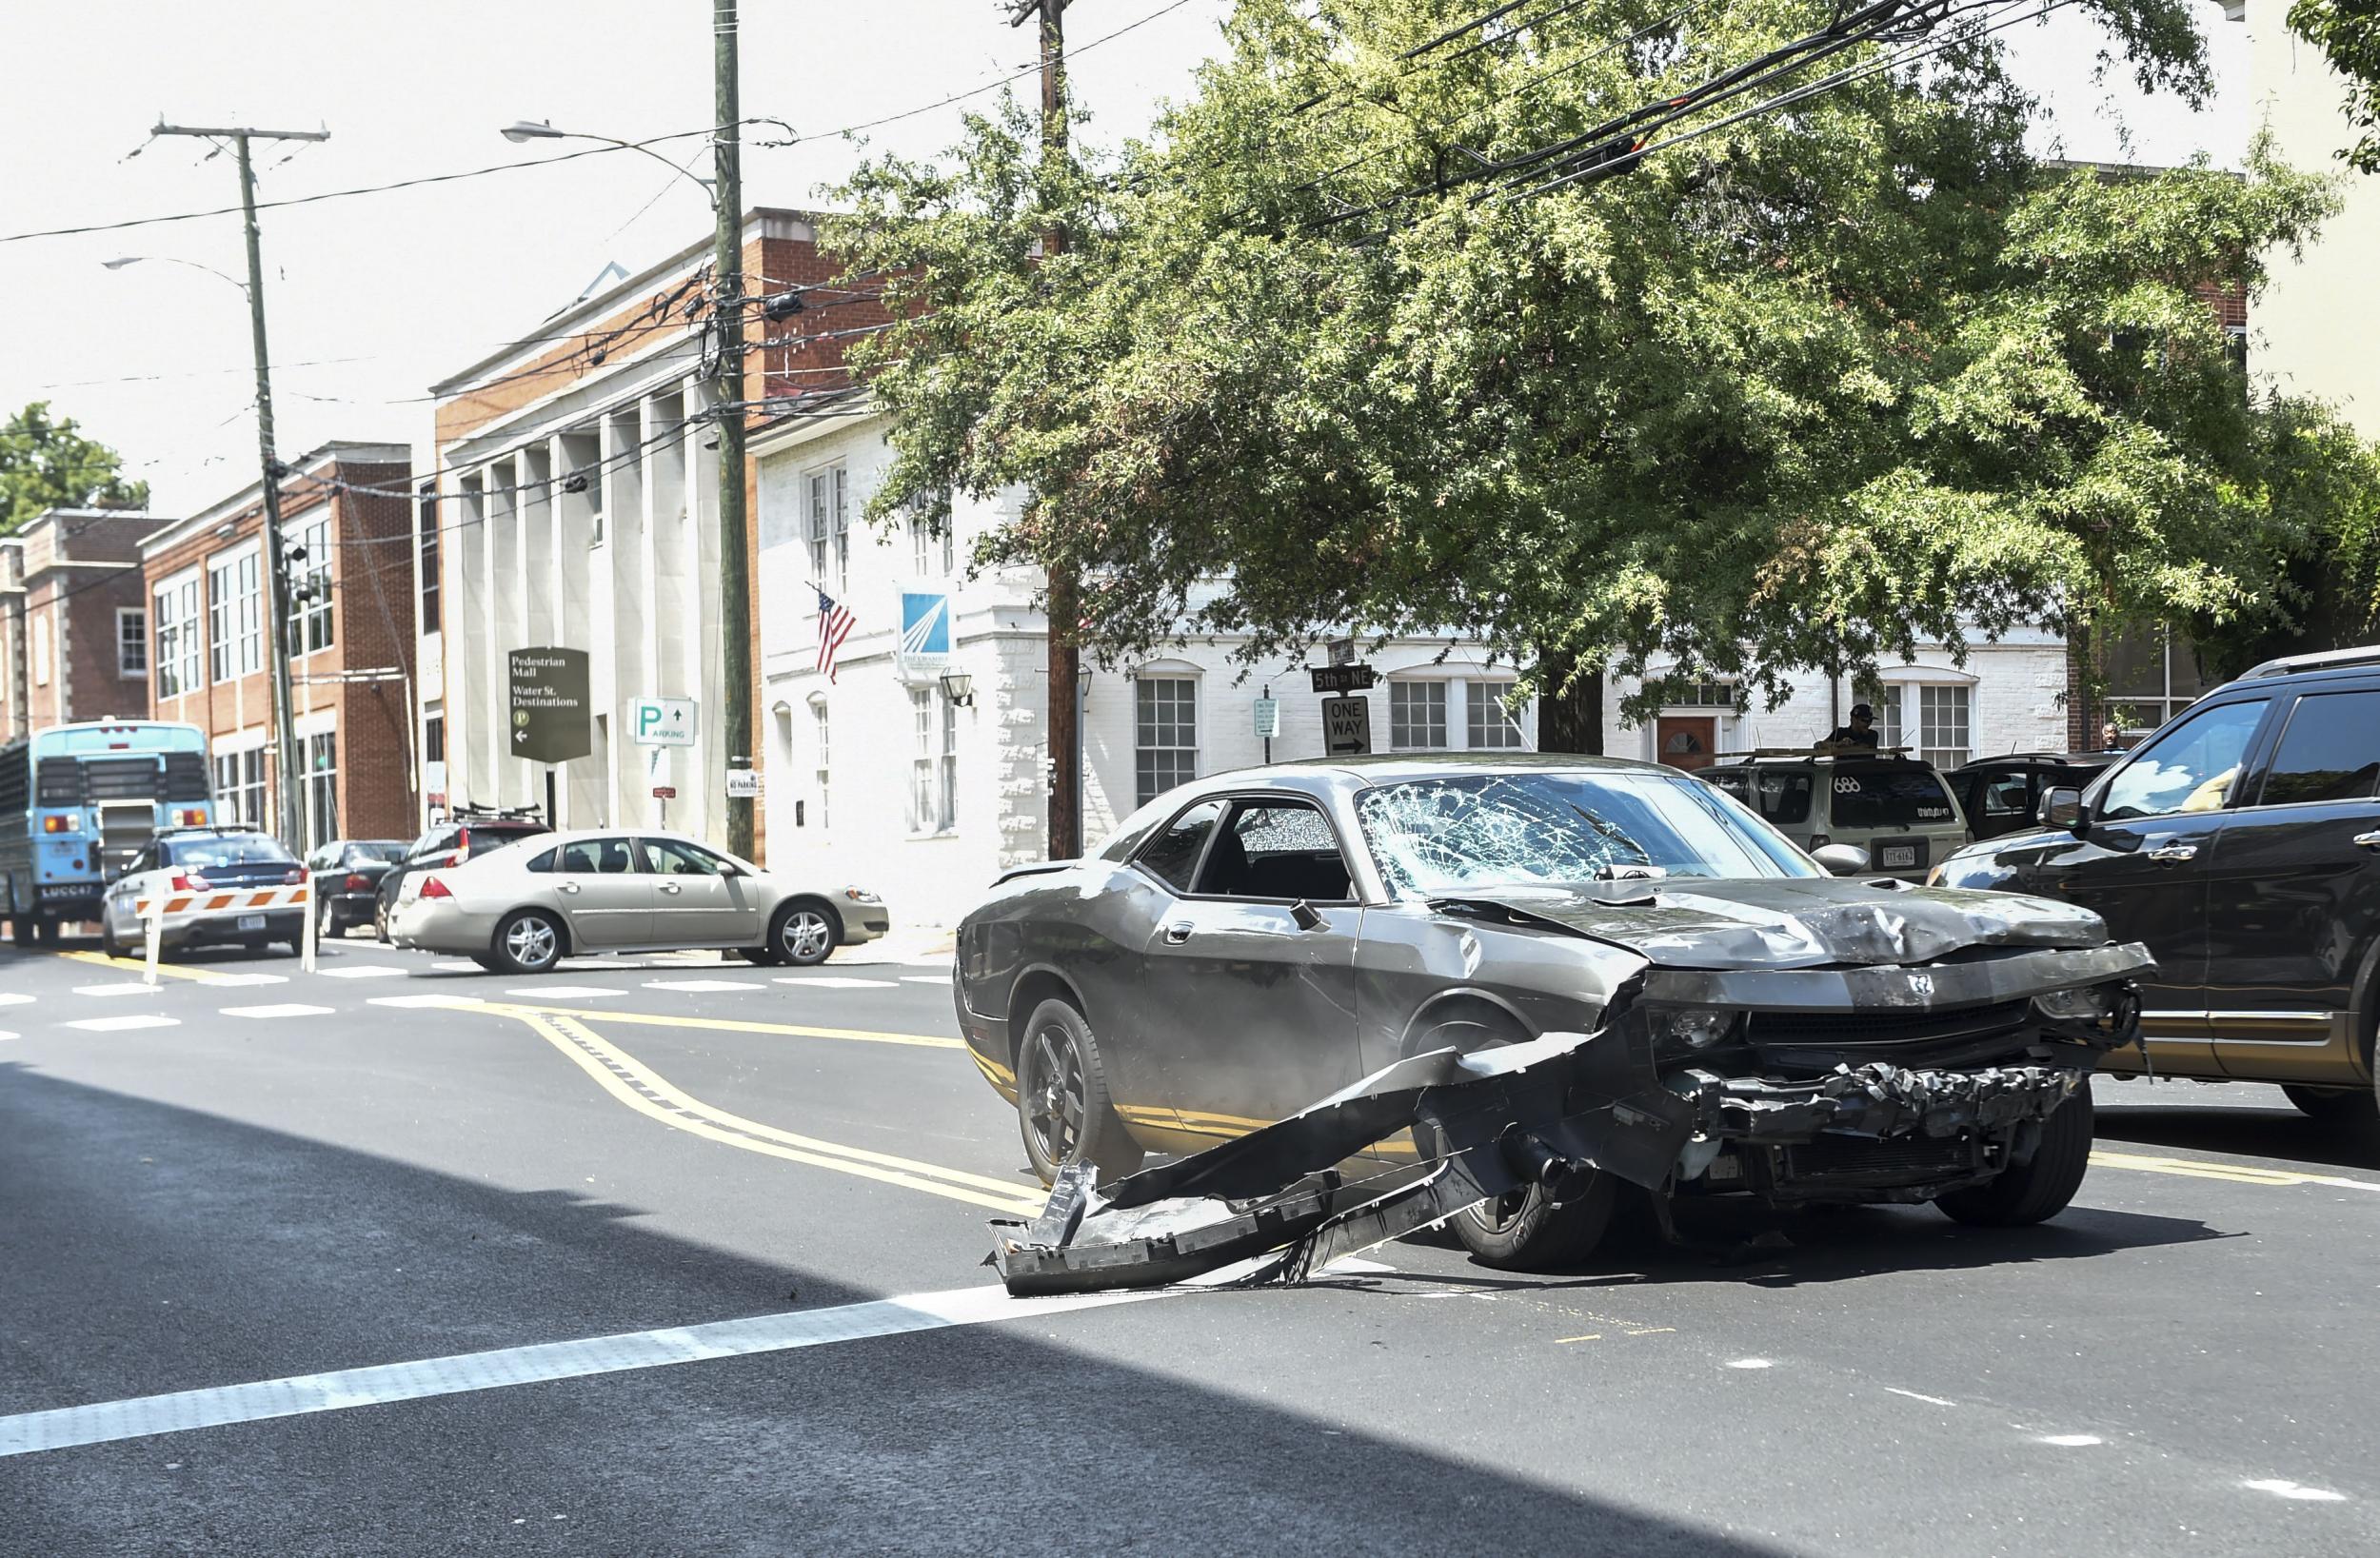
(307, 945)
(154, 934)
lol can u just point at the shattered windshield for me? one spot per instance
(1439, 835)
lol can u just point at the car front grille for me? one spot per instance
(1899, 1160)
(1819, 1041)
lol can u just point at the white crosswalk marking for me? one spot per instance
(834, 981)
(125, 1024)
(364, 971)
(577, 992)
(220, 980)
(132, 987)
(926, 979)
(454, 965)
(4, 1034)
(704, 984)
(284, 1009)
(425, 1000)
(13, 997)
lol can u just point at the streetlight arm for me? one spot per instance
(119, 262)
(525, 130)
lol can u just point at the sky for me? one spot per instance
(372, 298)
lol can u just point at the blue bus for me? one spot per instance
(78, 802)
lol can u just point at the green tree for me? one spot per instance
(48, 463)
(1806, 391)
(2349, 32)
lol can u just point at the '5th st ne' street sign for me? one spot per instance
(550, 721)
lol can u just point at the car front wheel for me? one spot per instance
(2333, 1106)
(529, 941)
(804, 934)
(2040, 1187)
(1063, 1104)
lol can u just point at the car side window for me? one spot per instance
(2330, 752)
(1172, 855)
(667, 858)
(542, 862)
(1783, 796)
(2005, 793)
(2189, 768)
(1276, 850)
(597, 858)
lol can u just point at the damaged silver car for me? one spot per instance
(1362, 996)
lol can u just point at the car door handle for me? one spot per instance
(669, 887)
(1176, 934)
(2369, 841)
(2174, 854)
(567, 887)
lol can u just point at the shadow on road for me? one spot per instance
(157, 1247)
(2282, 1134)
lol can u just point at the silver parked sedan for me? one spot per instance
(523, 908)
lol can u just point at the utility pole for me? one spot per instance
(1064, 719)
(289, 781)
(735, 573)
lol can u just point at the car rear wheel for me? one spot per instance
(108, 945)
(325, 921)
(804, 934)
(2040, 1187)
(529, 941)
(1062, 1105)
(2334, 1106)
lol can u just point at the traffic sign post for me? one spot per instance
(1267, 720)
(1346, 726)
(743, 784)
(1343, 679)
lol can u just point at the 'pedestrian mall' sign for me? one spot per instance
(661, 721)
(547, 690)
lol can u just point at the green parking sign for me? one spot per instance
(547, 689)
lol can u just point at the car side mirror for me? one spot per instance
(1841, 860)
(2063, 808)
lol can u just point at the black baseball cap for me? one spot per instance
(1861, 711)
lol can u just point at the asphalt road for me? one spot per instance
(768, 1190)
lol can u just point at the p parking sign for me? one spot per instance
(661, 721)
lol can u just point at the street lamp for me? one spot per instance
(522, 131)
(959, 688)
(123, 260)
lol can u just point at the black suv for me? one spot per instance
(2242, 843)
(467, 833)
(2003, 795)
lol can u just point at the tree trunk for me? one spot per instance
(1570, 709)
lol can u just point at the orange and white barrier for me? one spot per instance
(153, 910)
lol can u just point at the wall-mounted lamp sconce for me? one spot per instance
(959, 688)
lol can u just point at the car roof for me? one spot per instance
(2328, 660)
(2071, 759)
(1388, 767)
(1799, 760)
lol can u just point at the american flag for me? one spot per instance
(835, 623)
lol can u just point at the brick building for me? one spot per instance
(346, 525)
(73, 625)
(575, 505)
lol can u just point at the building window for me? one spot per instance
(251, 619)
(428, 529)
(322, 788)
(175, 611)
(2153, 675)
(830, 530)
(1487, 721)
(1165, 734)
(1706, 695)
(934, 765)
(1941, 726)
(40, 637)
(929, 544)
(434, 738)
(309, 587)
(234, 617)
(240, 788)
(131, 641)
(1417, 716)
(818, 721)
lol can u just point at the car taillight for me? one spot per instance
(57, 824)
(295, 875)
(433, 888)
(191, 818)
(357, 882)
(188, 882)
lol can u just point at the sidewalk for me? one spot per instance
(922, 946)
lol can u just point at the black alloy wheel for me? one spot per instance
(1064, 1110)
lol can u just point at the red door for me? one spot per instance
(1686, 740)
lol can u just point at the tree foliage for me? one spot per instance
(2349, 32)
(1806, 391)
(47, 463)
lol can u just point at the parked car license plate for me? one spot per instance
(251, 923)
(1897, 857)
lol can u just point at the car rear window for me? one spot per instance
(1781, 795)
(231, 849)
(1888, 797)
(365, 851)
(2330, 752)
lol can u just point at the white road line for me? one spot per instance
(1929, 1400)
(364, 971)
(107, 1421)
(2070, 1441)
(4, 1034)
(285, 1009)
(425, 1000)
(455, 965)
(124, 1025)
(581, 992)
(834, 981)
(2283, 1487)
(942, 980)
(704, 984)
(133, 987)
(581, 964)
(13, 997)
(1749, 1363)
(220, 980)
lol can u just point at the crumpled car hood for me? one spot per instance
(1794, 922)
